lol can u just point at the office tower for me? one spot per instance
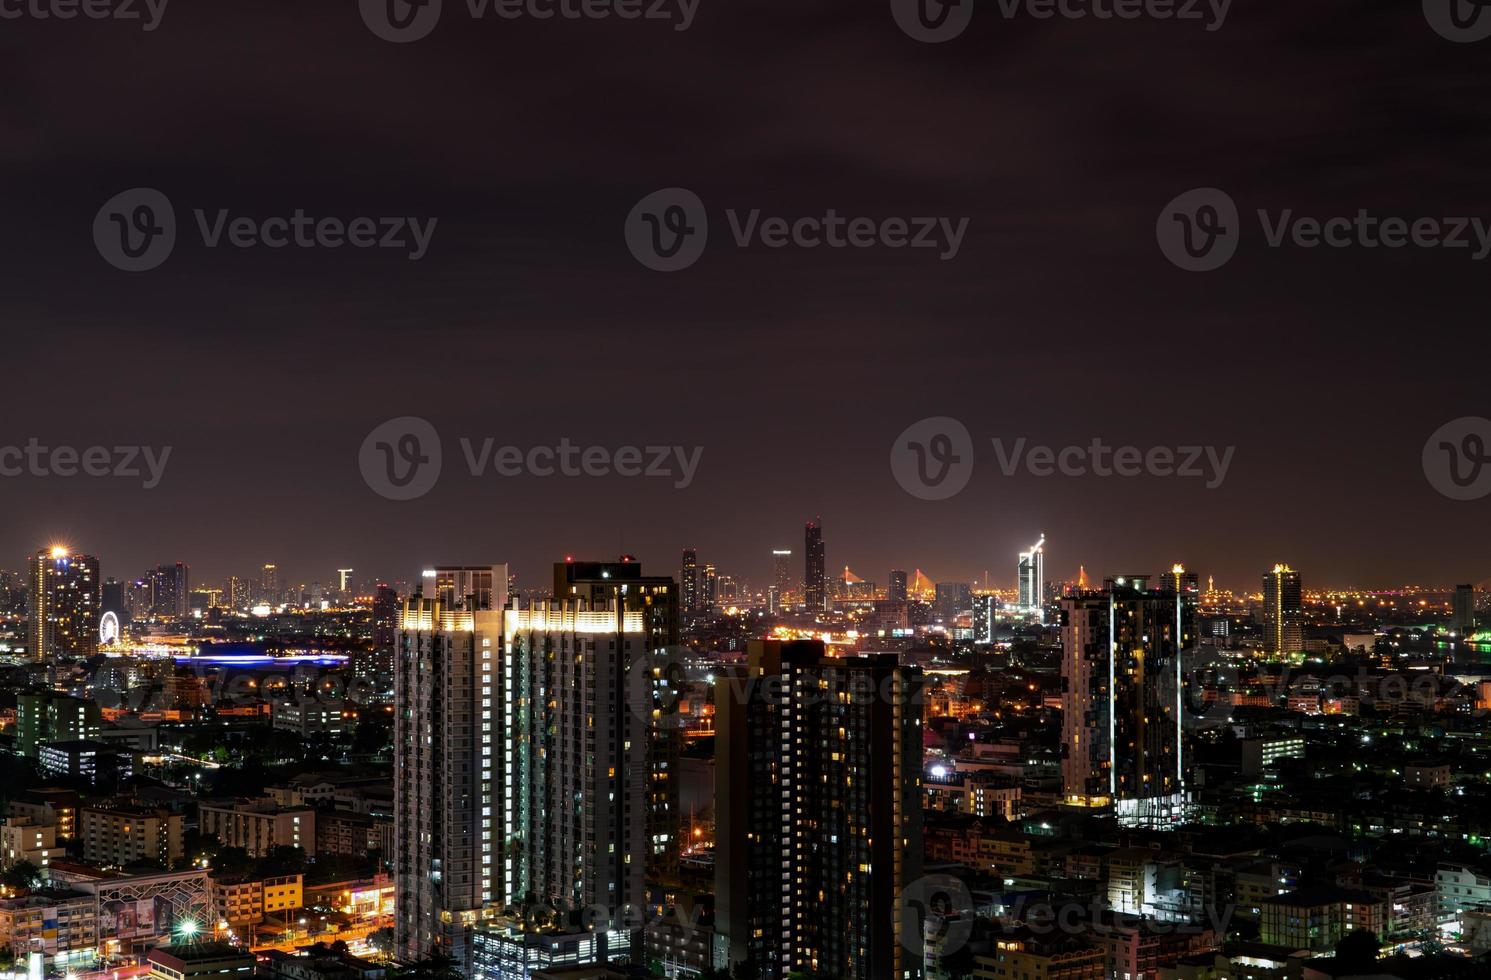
(1464, 610)
(344, 582)
(815, 596)
(985, 618)
(709, 587)
(952, 600)
(689, 580)
(448, 789)
(1122, 741)
(140, 596)
(240, 596)
(377, 660)
(818, 802)
(896, 592)
(63, 613)
(170, 592)
(621, 585)
(112, 599)
(269, 585)
(781, 570)
(1031, 578)
(1283, 611)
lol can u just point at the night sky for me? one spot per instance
(528, 321)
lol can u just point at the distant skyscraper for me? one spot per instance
(709, 587)
(1283, 611)
(818, 813)
(344, 582)
(781, 571)
(240, 595)
(1180, 580)
(269, 585)
(378, 661)
(1031, 577)
(985, 618)
(952, 600)
(689, 580)
(814, 582)
(1122, 739)
(64, 609)
(112, 599)
(170, 591)
(896, 591)
(1464, 615)
(449, 859)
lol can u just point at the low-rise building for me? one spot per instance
(1024, 953)
(1318, 918)
(98, 762)
(257, 826)
(240, 902)
(120, 834)
(56, 923)
(190, 961)
(23, 839)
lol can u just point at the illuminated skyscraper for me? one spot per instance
(269, 585)
(689, 580)
(448, 784)
(1283, 611)
(1031, 579)
(781, 578)
(64, 605)
(814, 582)
(818, 802)
(621, 585)
(1122, 738)
(170, 591)
(896, 591)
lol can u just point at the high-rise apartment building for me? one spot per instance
(1464, 610)
(269, 585)
(1030, 577)
(621, 585)
(1123, 742)
(814, 590)
(64, 605)
(449, 862)
(1283, 611)
(818, 802)
(688, 581)
(896, 591)
(378, 661)
(170, 591)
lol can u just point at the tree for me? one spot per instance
(22, 874)
(1358, 950)
(437, 967)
